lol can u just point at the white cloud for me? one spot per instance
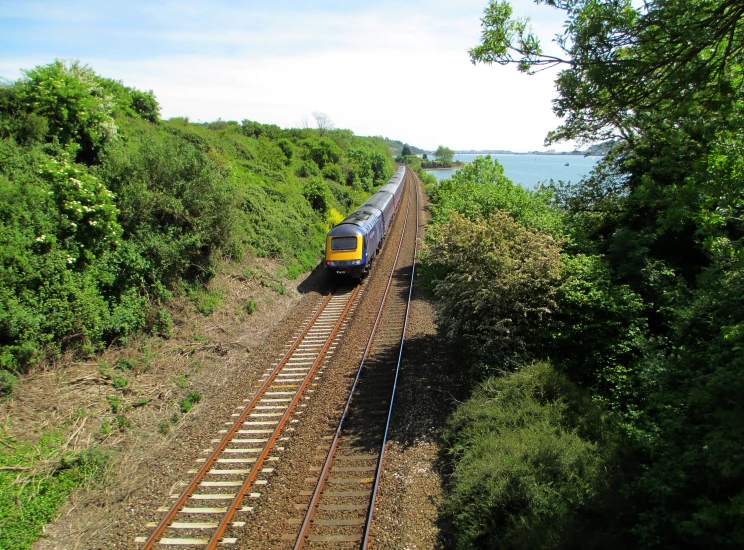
(393, 69)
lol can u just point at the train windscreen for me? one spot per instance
(343, 243)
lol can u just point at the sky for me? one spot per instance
(398, 69)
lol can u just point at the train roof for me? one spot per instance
(369, 209)
(391, 188)
(399, 173)
(379, 200)
(398, 176)
(356, 223)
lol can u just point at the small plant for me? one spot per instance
(8, 383)
(144, 366)
(87, 350)
(105, 371)
(114, 402)
(276, 286)
(125, 364)
(192, 399)
(122, 422)
(199, 338)
(249, 306)
(163, 323)
(105, 427)
(206, 301)
(181, 381)
(175, 419)
(249, 273)
(163, 427)
(120, 382)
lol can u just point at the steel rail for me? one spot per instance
(214, 540)
(378, 474)
(201, 474)
(312, 507)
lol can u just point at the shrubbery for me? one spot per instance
(494, 279)
(598, 329)
(531, 458)
(535, 449)
(106, 211)
(648, 318)
(480, 188)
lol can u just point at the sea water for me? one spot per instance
(530, 170)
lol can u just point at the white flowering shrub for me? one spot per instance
(76, 107)
(88, 215)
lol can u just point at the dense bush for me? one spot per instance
(105, 210)
(529, 467)
(597, 331)
(322, 151)
(481, 188)
(494, 279)
(692, 424)
(177, 204)
(648, 317)
(317, 194)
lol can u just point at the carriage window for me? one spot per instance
(343, 243)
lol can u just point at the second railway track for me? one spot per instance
(332, 499)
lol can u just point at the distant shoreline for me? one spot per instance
(459, 164)
(543, 153)
(453, 167)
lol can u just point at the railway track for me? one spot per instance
(341, 506)
(242, 458)
(214, 507)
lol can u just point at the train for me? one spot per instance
(353, 243)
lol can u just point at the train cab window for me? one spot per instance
(343, 243)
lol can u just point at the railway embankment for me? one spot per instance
(136, 250)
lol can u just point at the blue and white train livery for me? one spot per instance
(353, 243)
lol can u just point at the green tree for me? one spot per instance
(664, 79)
(317, 194)
(406, 150)
(321, 151)
(444, 155)
(621, 62)
(480, 188)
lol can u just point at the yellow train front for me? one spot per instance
(351, 245)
